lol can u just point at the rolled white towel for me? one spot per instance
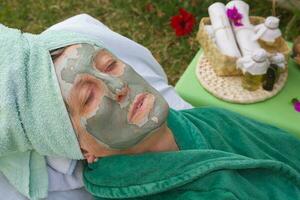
(224, 36)
(256, 63)
(269, 30)
(245, 32)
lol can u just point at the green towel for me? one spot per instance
(34, 121)
(223, 155)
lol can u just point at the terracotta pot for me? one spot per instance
(296, 51)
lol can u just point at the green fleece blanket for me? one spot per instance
(33, 119)
(223, 155)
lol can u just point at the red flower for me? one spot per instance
(183, 23)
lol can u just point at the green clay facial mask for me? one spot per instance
(113, 103)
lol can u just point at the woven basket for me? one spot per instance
(229, 88)
(224, 65)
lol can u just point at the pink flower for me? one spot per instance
(234, 16)
(296, 104)
(183, 23)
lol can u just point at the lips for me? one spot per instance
(140, 109)
(138, 104)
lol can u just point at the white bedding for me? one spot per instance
(63, 183)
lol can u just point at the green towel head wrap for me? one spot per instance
(34, 120)
(32, 108)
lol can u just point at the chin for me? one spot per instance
(159, 114)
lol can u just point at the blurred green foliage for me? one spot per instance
(144, 21)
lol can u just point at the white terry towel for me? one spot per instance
(245, 33)
(224, 36)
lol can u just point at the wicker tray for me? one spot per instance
(226, 65)
(230, 88)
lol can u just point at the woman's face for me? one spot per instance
(110, 105)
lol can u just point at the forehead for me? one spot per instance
(102, 54)
(79, 58)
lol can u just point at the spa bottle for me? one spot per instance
(270, 77)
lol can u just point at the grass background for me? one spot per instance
(144, 21)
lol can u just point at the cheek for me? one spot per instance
(73, 104)
(77, 127)
(88, 144)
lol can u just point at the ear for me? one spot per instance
(89, 157)
(88, 151)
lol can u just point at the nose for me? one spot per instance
(114, 83)
(121, 94)
(117, 88)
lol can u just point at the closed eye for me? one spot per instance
(111, 66)
(89, 97)
(105, 62)
(89, 94)
(86, 93)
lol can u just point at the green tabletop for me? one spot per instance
(277, 111)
